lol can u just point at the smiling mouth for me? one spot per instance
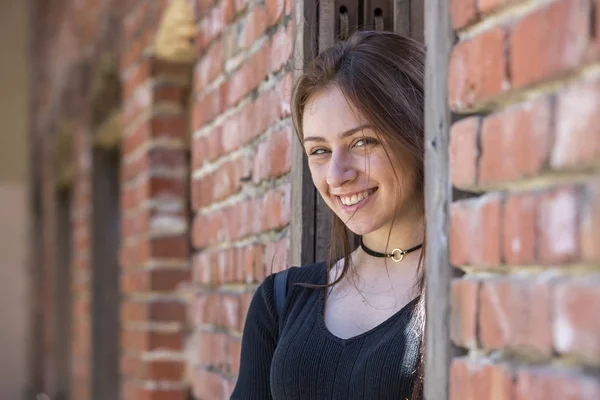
(357, 198)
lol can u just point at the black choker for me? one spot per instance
(391, 255)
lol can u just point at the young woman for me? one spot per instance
(352, 327)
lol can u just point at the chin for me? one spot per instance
(360, 229)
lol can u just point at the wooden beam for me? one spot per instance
(438, 195)
(302, 225)
(402, 17)
(327, 16)
(417, 14)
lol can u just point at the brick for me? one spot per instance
(259, 263)
(563, 27)
(213, 24)
(282, 46)
(515, 143)
(168, 93)
(133, 311)
(244, 262)
(224, 268)
(235, 352)
(273, 156)
(289, 5)
(245, 299)
(150, 341)
(202, 6)
(209, 106)
(208, 228)
(576, 327)
(209, 67)
(471, 380)
(558, 226)
(516, 316)
(173, 127)
(207, 309)
(131, 199)
(210, 385)
(520, 229)
(462, 12)
(207, 148)
(487, 6)
(494, 315)
(464, 152)
(276, 256)
(590, 222)
(202, 268)
(230, 311)
(553, 384)
(166, 311)
(240, 5)
(531, 319)
(157, 157)
(155, 280)
(249, 76)
(164, 370)
(132, 391)
(578, 127)
(254, 26)
(222, 183)
(229, 177)
(167, 247)
(477, 70)
(278, 203)
(475, 231)
(257, 117)
(202, 191)
(134, 367)
(213, 349)
(158, 187)
(463, 312)
(274, 10)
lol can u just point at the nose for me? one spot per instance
(340, 171)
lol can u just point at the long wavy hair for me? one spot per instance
(381, 74)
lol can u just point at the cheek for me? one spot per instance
(317, 173)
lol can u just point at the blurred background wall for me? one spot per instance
(14, 197)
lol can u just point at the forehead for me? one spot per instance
(328, 113)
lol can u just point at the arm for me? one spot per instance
(258, 345)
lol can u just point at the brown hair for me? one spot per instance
(381, 74)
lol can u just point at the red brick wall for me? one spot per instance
(155, 251)
(62, 35)
(524, 74)
(241, 154)
(81, 269)
(236, 117)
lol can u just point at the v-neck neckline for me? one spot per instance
(323, 326)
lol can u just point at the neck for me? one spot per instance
(405, 234)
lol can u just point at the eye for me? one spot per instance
(362, 142)
(318, 151)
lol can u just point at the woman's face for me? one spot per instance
(349, 166)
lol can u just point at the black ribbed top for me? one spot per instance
(309, 362)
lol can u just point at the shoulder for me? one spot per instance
(310, 273)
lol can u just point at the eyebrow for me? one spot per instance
(342, 135)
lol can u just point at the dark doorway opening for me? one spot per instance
(63, 293)
(105, 294)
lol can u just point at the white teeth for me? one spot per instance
(355, 198)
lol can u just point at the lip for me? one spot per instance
(353, 208)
